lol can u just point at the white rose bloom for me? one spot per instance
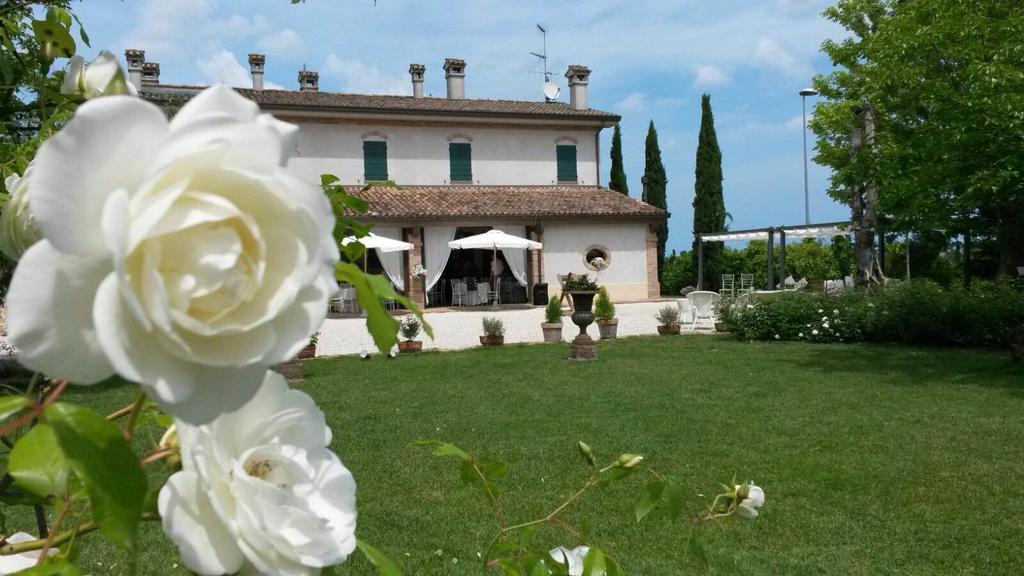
(573, 557)
(825, 325)
(754, 500)
(103, 77)
(14, 563)
(259, 492)
(814, 332)
(187, 258)
(18, 229)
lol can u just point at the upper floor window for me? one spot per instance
(461, 159)
(375, 160)
(566, 156)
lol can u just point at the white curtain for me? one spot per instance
(391, 261)
(436, 251)
(516, 258)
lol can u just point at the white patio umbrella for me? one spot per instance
(374, 242)
(494, 240)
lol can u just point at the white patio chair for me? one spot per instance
(347, 299)
(728, 285)
(746, 284)
(459, 293)
(494, 292)
(686, 312)
(705, 305)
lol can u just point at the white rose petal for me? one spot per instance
(814, 332)
(13, 563)
(754, 500)
(207, 260)
(259, 492)
(574, 558)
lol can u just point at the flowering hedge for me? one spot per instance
(918, 312)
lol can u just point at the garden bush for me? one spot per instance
(918, 312)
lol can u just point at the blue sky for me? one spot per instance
(650, 60)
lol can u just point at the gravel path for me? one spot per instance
(454, 330)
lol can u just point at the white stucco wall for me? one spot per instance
(419, 155)
(565, 245)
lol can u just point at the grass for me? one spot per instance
(875, 459)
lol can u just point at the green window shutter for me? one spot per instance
(375, 160)
(566, 154)
(461, 158)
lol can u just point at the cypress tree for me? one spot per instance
(655, 182)
(708, 202)
(617, 180)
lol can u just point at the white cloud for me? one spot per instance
(361, 78)
(769, 52)
(708, 76)
(223, 67)
(161, 24)
(286, 42)
(635, 102)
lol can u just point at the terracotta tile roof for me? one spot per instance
(175, 95)
(461, 202)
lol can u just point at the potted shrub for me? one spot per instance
(494, 332)
(668, 320)
(604, 312)
(410, 328)
(309, 351)
(552, 325)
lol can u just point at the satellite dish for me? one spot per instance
(551, 91)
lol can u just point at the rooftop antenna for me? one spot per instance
(551, 90)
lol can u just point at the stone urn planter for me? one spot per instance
(670, 329)
(552, 331)
(583, 345)
(492, 340)
(609, 328)
(410, 346)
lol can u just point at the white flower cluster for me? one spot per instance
(183, 256)
(599, 263)
(418, 271)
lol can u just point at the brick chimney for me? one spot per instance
(256, 62)
(150, 73)
(416, 71)
(134, 58)
(579, 77)
(309, 81)
(455, 74)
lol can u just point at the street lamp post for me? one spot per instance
(807, 197)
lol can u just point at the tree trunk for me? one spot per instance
(1011, 247)
(864, 202)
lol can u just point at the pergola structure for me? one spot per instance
(826, 230)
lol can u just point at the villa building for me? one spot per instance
(436, 169)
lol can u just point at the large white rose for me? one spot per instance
(574, 558)
(180, 255)
(103, 77)
(18, 229)
(259, 492)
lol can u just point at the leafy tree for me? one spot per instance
(617, 179)
(655, 182)
(944, 78)
(708, 203)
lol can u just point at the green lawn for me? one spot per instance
(875, 459)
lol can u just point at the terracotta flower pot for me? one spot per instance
(308, 352)
(552, 332)
(609, 328)
(669, 330)
(492, 340)
(410, 346)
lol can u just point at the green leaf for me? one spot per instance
(648, 497)
(674, 495)
(587, 452)
(597, 564)
(502, 548)
(495, 469)
(53, 567)
(328, 179)
(385, 567)
(382, 326)
(98, 453)
(38, 464)
(11, 405)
